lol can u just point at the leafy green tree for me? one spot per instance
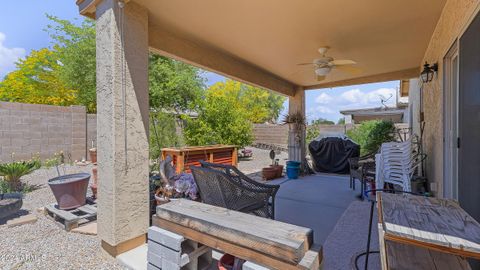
(322, 121)
(173, 85)
(260, 104)
(222, 120)
(341, 121)
(36, 80)
(75, 47)
(162, 133)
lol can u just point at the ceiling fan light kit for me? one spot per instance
(322, 71)
(325, 64)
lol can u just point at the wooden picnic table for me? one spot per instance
(438, 232)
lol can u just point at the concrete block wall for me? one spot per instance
(91, 131)
(27, 130)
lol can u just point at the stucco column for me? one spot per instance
(296, 140)
(122, 122)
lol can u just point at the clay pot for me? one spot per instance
(70, 190)
(229, 262)
(93, 186)
(279, 169)
(269, 173)
(93, 155)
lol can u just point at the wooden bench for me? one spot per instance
(270, 243)
(425, 233)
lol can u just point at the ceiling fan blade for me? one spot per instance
(349, 69)
(342, 62)
(304, 64)
(320, 78)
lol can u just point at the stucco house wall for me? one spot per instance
(455, 18)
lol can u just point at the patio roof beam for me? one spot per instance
(207, 57)
(383, 77)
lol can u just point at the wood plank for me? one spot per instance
(407, 257)
(227, 247)
(277, 239)
(434, 223)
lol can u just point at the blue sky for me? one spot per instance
(22, 24)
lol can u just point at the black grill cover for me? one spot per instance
(331, 154)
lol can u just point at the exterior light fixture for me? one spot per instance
(428, 72)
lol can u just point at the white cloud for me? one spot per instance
(323, 109)
(323, 98)
(357, 97)
(8, 56)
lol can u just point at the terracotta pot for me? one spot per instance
(70, 190)
(93, 155)
(94, 189)
(279, 169)
(229, 262)
(269, 173)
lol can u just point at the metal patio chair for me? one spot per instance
(227, 187)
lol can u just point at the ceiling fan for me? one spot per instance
(325, 64)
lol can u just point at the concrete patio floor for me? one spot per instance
(315, 201)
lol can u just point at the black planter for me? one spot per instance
(13, 206)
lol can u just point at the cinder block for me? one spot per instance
(152, 267)
(253, 266)
(154, 259)
(165, 238)
(176, 252)
(177, 257)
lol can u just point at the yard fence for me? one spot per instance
(27, 130)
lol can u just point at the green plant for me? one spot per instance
(222, 120)
(162, 133)
(313, 131)
(12, 172)
(371, 134)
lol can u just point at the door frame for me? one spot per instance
(451, 121)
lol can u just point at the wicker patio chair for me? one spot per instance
(236, 192)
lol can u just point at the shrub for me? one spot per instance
(371, 134)
(12, 172)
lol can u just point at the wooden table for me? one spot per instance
(184, 157)
(436, 231)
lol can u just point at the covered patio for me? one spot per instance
(260, 43)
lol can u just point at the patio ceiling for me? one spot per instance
(262, 42)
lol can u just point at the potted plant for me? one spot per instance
(12, 172)
(181, 186)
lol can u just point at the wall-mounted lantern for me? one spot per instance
(428, 72)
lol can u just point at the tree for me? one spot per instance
(260, 104)
(76, 50)
(173, 85)
(322, 121)
(341, 121)
(222, 120)
(36, 80)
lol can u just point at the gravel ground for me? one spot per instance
(45, 245)
(261, 158)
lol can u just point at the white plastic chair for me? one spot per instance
(396, 164)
